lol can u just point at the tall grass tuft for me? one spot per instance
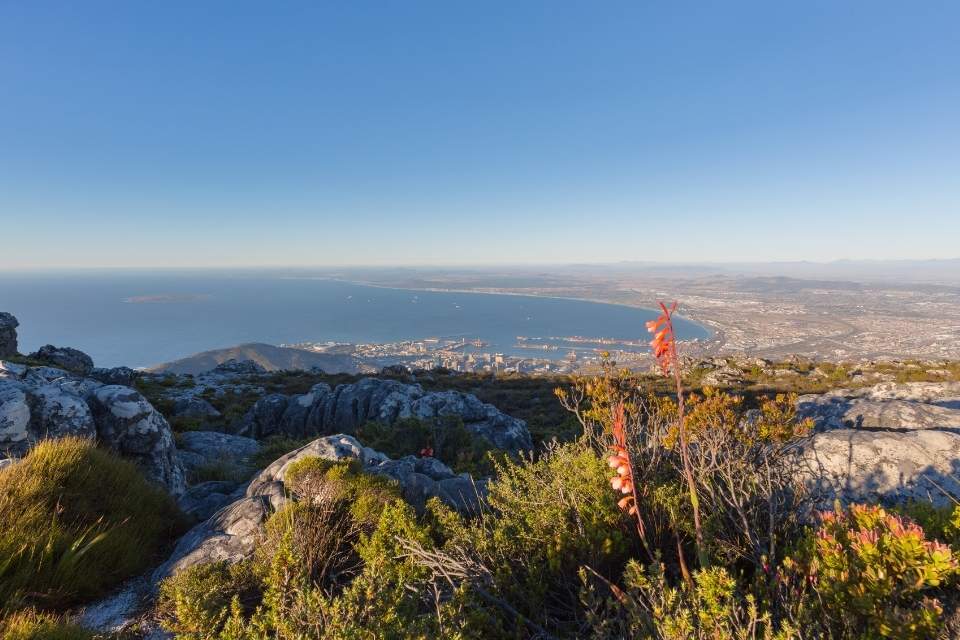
(33, 625)
(75, 520)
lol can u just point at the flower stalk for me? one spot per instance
(664, 345)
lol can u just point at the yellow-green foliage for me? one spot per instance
(197, 603)
(213, 601)
(32, 625)
(74, 521)
(876, 572)
(940, 523)
(452, 443)
(711, 607)
(365, 494)
(547, 518)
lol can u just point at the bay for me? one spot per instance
(140, 319)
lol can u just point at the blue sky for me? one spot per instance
(319, 133)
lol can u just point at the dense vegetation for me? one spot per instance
(76, 521)
(556, 554)
(643, 513)
(532, 398)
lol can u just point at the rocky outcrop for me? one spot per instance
(130, 425)
(72, 360)
(14, 419)
(199, 450)
(346, 408)
(231, 534)
(8, 334)
(240, 367)
(194, 407)
(200, 501)
(890, 442)
(114, 375)
(45, 402)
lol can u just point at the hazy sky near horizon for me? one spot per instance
(319, 133)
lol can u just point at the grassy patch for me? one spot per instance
(32, 625)
(76, 520)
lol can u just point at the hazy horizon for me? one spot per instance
(237, 135)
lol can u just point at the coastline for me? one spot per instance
(712, 333)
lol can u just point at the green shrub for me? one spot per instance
(32, 625)
(711, 607)
(74, 521)
(546, 519)
(219, 469)
(876, 574)
(451, 442)
(198, 602)
(940, 523)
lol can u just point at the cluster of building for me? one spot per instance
(467, 356)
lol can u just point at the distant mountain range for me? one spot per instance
(268, 356)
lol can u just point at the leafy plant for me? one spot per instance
(876, 573)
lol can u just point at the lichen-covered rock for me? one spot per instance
(264, 417)
(485, 420)
(916, 405)
(43, 375)
(65, 358)
(349, 406)
(58, 412)
(14, 418)
(890, 442)
(199, 449)
(128, 423)
(29, 414)
(855, 465)
(8, 335)
(115, 375)
(12, 370)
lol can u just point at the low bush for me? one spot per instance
(671, 517)
(446, 438)
(200, 600)
(74, 521)
(876, 574)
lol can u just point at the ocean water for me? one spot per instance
(139, 319)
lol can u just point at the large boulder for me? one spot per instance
(72, 360)
(200, 501)
(889, 443)
(264, 417)
(8, 335)
(199, 450)
(47, 402)
(194, 407)
(349, 406)
(14, 419)
(58, 412)
(29, 414)
(231, 534)
(128, 423)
